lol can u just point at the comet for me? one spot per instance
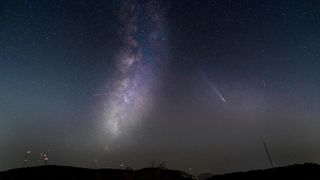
(216, 90)
(213, 87)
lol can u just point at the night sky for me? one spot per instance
(198, 84)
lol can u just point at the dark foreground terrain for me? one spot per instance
(73, 173)
(298, 171)
(302, 171)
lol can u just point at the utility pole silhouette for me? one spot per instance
(268, 154)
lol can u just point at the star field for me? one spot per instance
(197, 84)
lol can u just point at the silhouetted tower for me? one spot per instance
(95, 161)
(153, 163)
(268, 154)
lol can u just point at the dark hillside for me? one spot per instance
(73, 173)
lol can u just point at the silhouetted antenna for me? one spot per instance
(95, 163)
(153, 163)
(268, 154)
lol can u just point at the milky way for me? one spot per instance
(141, 34)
